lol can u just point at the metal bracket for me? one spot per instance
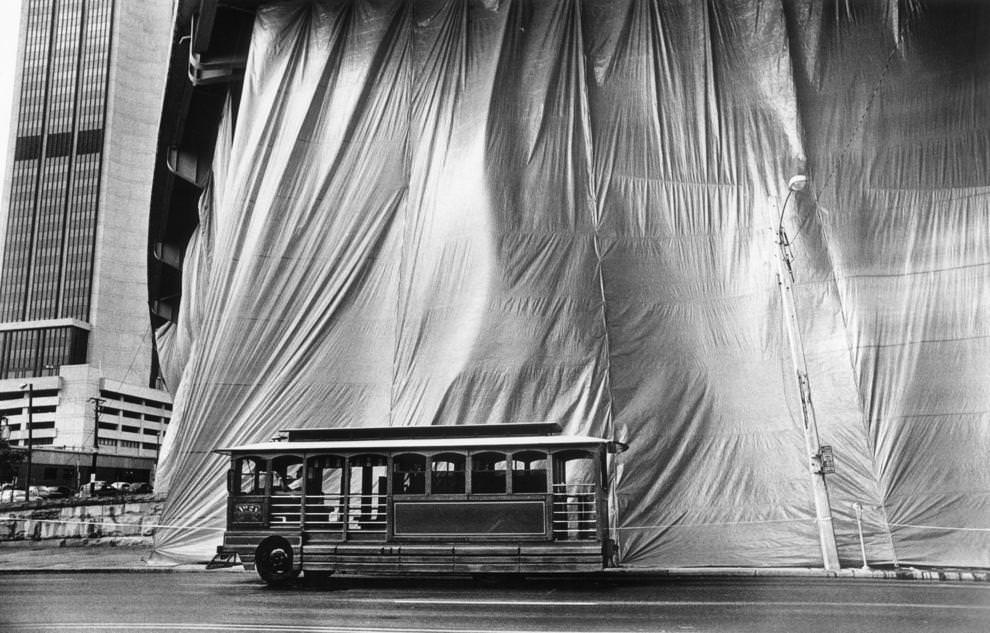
(223, 560)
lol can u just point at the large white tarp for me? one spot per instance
(454, 211)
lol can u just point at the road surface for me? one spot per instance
(230, 601)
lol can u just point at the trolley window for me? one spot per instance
(447, 474)
(325, 505)
(366, 506)
(574, 468)
(368, 475)
(575, 514)
(287, 474)
(529, 472)
(325, 475)
(250, 476)
(488, 473)
(409, 474)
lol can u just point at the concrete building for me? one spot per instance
(74, 320)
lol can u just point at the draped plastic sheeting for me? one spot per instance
(451, 212)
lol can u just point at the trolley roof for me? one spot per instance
(416, 432)
(541, 435)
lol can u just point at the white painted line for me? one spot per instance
(261, 628)
(512, 603)
(671, 603)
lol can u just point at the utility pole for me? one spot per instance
(813, 448)
(158, 449)
(4, 436)
(30, 429)
(96, 435)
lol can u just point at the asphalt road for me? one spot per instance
(226, 601)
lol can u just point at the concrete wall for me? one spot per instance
(137, 519)
(120, 343)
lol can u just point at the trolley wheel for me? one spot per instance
(273, 560)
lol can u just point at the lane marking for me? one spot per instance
(262, 628)
(523, 603)
(673, 603)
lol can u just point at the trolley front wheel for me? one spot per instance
(273, 560)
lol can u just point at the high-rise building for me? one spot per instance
(74, 321)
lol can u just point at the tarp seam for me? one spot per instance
(596, 209)
(401, 225)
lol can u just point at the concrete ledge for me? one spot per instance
(72, 519)
(56, 544)
(133, 569)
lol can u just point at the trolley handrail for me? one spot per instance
(574, 511)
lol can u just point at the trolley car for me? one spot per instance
(472, 499)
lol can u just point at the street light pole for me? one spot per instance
(30, 424)
(96, 434)
(785, 280)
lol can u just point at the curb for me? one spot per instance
(909, 573)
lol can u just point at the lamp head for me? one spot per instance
(797, 183)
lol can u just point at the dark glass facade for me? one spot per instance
(32, 352)
(55, 179)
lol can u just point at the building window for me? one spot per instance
(90, 142)
(27, 147)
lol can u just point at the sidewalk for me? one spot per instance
(130, 555)
(115, 555)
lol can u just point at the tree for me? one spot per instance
(10, 458)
